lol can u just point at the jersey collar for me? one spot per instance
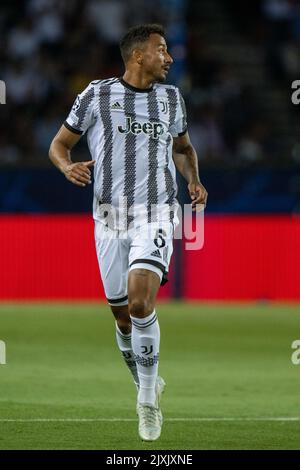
(133, 88)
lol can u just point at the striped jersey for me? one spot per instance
(130, 134)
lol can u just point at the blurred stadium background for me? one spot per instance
(235, 63)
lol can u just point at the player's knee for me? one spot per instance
(140, 308)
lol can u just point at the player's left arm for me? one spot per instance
(186, 162)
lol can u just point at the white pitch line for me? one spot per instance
(116, 420)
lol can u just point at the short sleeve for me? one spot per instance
(179, 127)
(82, 115)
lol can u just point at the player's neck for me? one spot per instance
(137, 81)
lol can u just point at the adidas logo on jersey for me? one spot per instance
(156, 253)
(151, 128)
(116, 105)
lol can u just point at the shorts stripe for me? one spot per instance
(149, 261)
(116, 301)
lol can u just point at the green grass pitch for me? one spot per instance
(230, 380)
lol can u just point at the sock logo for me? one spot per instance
(146, 362)
(126, 355)
(146, 350)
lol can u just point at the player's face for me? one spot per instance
(156, 60)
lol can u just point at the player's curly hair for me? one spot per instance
(136, 36)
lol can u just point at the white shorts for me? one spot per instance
(119, 251)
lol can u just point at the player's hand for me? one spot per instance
(198, 195)
(79, 173)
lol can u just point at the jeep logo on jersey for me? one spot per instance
(151, 128)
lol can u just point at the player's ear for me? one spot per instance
(137, 56)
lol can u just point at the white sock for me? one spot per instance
(145, 338)
(124, 344)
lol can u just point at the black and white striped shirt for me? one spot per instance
(130, 133)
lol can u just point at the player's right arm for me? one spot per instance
(79, 120)
(60, 154)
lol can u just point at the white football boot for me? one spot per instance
(150, 417)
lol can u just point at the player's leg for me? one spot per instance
(149, 259)
(122, 318)
(112, 254)
(123, 336)
(143, 286)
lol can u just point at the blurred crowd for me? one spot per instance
(232, 120)
(275, 25)
(51, 49)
